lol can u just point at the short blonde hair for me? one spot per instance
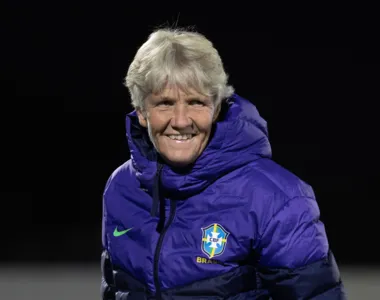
(177, 57)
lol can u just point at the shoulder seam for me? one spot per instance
(279, 188)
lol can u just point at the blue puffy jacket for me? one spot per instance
(235, 225)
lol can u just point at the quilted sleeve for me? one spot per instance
(295, 260)
(107, 289)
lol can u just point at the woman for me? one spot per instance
(200, 211)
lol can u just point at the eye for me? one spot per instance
(196, 102)
(164, 103)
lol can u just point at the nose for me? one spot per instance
(181, 118)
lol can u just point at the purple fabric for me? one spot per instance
(234, 184)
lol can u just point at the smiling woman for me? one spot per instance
(177, 83)
(200, 210)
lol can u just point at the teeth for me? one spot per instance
(180, 137)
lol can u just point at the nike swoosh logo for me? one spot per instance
(119, 233)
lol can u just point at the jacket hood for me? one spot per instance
(238, 138)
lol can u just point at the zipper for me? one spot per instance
(173, 205)
(156, 190)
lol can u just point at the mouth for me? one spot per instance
(181, 138)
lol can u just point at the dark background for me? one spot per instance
(314, 79)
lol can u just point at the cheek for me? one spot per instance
(205, 122)
(157, 123)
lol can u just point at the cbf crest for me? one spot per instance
(214, 240)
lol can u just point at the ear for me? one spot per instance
(216, 113)
(142, 117)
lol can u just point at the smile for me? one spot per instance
(181, 138)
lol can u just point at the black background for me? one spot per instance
(314, 79)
